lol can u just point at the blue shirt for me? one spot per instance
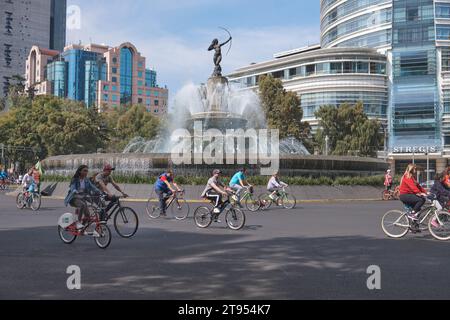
(238, 176)
(161, 183)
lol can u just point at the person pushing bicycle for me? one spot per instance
(275, 185)
(102, 180)
(164, 189)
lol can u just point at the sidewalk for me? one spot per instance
(142, 192)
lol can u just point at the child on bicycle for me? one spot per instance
(275, 185)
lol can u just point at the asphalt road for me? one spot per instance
(317, 251)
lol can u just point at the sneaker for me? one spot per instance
(216, 210)
(413, 216)
(79, 225)
(434, 223)
(163, 214)
(96, 234)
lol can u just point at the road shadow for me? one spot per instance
(159, 264)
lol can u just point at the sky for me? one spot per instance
(174, 34)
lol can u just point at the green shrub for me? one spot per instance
(376, 181)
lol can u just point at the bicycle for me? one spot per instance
(126, 220)
(68, 232)
(401, 224)
(178, 205)
(283, 199)
(248, 199)
(31, 200)
(234, 217)
(387, 195)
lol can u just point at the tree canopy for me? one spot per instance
(349, 130)
(283, 111)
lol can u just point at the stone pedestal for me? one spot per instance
(216, 89)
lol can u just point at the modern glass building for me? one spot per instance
(100, 76)
(25, 24)
(356, 23)
(326, 77)
(407, 85)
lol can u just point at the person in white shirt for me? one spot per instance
(274, 185)
(28, 180)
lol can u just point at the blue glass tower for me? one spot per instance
(126, 75)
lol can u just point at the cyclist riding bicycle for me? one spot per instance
(80, 187)
(411, 192)
(238, 183)
(438, 189)
(28, 180)
(214, 191)
(102, 180)
(275, 185)
(3, 176)
(388, 180)
(164, 189)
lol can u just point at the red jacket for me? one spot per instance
(410, 186)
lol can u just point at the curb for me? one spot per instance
(204, 201)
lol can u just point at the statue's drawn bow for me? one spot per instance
(231, 41)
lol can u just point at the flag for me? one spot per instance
(38, 167)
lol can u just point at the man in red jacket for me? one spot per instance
(411, 192)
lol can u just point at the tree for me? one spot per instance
(349, 130)
(282, 110)
(128, 123)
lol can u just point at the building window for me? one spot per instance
(114, 70)
(114, 79)
(140, 74)
(156, 102)
(105, 97)
(140, 100)
(147, 93)
(114, 97)
(140, 83)
(114, 88)
(106, 87)
(140, 92)
(126, 75)
(114, 60)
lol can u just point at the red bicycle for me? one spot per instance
(93, 226)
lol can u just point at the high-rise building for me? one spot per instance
(410, 40)
(100, 76)
(26, 23)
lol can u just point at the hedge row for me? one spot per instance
(375, 181)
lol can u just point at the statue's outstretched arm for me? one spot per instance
(211, 47)
(226, 42)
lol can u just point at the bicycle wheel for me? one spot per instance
(265, 201)
(153, 210)
(20, 201)
(126, 222)
(202, 217)
(288, 201)
(252, 204)
(35, 202)
(235, 219)
(441, 229)
(180, 209)
(395, 224)
(66, 236)
(103, 240)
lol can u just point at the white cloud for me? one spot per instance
(181, 60)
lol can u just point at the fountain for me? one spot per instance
(220, 106)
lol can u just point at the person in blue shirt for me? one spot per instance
(238, 183)
(80, 186)
(164, 189)
(3, 176)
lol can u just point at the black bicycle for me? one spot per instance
(178, 206)
(126, 221)
(234, 217)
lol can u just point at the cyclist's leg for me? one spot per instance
(162, 200)
(238, 188)
(81, 207)
(413, 201)
(215, 198)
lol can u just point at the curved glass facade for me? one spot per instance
(356, 24)
(126, 75)
(375, 103)
(56, 74)
(353, 17)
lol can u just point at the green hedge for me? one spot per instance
(376, 181)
